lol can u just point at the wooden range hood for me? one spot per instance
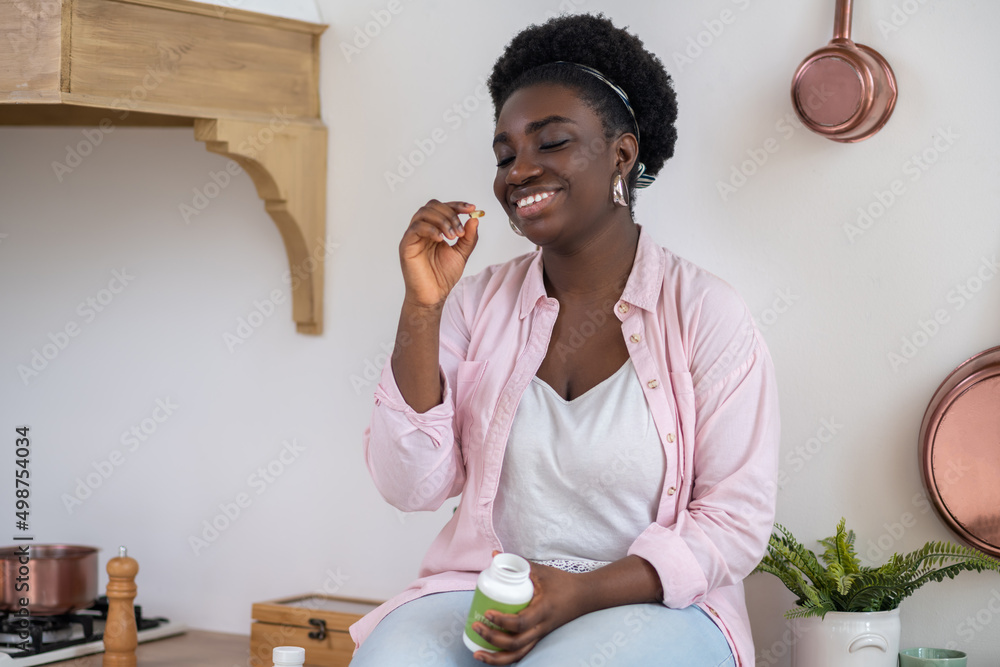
(246, 82)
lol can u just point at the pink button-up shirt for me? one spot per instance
(709, 383)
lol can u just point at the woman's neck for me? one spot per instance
(596, 270)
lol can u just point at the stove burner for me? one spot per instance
(41, 630)
(51, 633)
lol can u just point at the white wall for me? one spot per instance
(320, 524)
(303, 10)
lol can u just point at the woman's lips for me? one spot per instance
(533, 209)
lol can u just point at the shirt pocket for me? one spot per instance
(467, 380)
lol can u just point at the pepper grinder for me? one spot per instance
(120, 634)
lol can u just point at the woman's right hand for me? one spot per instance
(431, 267)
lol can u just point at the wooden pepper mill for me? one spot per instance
(120, 634)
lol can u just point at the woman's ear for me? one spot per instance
(626, 152)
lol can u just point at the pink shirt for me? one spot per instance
(709, 383)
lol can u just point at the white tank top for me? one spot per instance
(581, 479)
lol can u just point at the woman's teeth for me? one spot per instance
(531, 199)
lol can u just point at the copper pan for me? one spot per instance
(960, 451)
(844, 91)
(60, 577)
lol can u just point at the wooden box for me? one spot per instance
(318, 623)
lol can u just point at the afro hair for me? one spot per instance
(593, 40)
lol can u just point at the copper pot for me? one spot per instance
(61, 578)
(844, 91)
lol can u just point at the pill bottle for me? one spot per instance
(288, 656)
(505, 587)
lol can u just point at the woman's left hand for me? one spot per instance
(559, 598)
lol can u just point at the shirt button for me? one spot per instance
(714, 613)
(635, 338)
(652, 384)
(672, 490)
(623, 307)
(670, 437)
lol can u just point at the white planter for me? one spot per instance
(847, 639)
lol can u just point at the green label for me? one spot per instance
(480, 605)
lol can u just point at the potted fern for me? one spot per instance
(847, 613)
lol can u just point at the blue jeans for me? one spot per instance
(428, 631)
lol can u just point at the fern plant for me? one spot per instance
(841, 583)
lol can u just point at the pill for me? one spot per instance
(477, 214)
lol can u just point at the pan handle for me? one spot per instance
(842, 21)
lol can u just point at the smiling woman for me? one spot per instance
(604, 408)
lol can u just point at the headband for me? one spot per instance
(643, 180)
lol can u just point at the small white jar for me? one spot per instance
(505, 587)
(288, 656)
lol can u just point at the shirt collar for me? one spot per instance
(642, 288)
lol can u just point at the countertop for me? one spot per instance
(194, 647)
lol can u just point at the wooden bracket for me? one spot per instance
(286, 159)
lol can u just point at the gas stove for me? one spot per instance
(68, 636)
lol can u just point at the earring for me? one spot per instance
(514, 227)
(618, 190)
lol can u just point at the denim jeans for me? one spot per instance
(428, 631)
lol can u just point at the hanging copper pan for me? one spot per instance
(960, 451)
(844, 91)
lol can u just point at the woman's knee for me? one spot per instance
(426, 631)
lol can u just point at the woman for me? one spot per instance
(603, 407)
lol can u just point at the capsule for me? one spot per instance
(477, 214)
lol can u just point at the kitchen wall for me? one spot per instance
(187, 420)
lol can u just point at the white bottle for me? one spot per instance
(288, 656)
(505, 587)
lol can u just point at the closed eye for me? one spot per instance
(557, 144)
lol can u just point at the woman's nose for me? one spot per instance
(522, 169)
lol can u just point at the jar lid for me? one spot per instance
(288, 655)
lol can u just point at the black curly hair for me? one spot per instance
(593, 40)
